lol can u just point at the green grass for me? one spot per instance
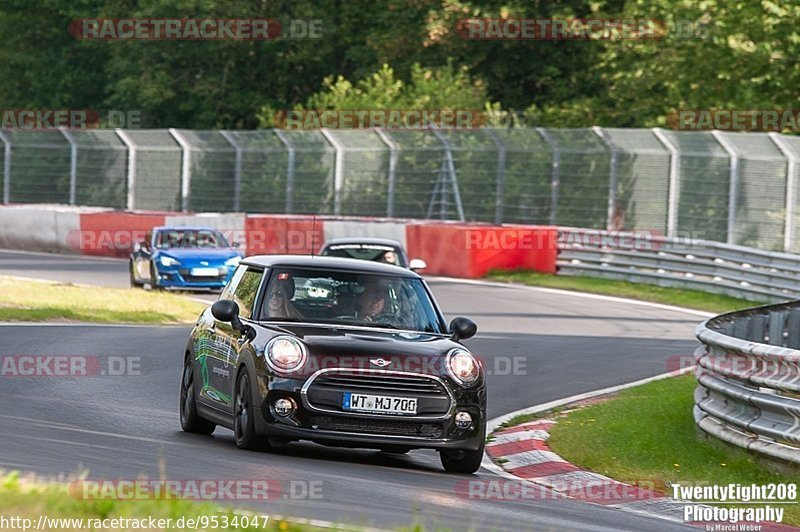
(694, 299)
(648, 434)
(32, 499)
(39, 301)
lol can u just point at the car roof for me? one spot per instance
(328, 263)
(183, 228)
(364, 240)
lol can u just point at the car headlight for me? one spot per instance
(168, 261)
(233, 261)
(463, 366)
(286, 354)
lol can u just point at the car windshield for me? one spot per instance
(371, 300)
(190, 238)
(374, 252)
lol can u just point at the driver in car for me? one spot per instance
(372, 302)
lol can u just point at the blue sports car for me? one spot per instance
(183, 258)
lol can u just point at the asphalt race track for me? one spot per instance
(127, 426)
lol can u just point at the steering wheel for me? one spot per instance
(391, 319)
(346, 317)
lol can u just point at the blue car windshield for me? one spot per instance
(190, 238)
(339, 297)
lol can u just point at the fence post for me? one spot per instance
(451, 170)
(501, 177)
(338, 170)
(393, 156)
(237, 170)
(734, 184)
(674, 174)
(613, 172)
(290, 151)
(555, 179)
(186, 167)
(131, 200)
(6, 167)
(791, 181)
(73, 164)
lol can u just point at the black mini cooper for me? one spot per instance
(337, 351)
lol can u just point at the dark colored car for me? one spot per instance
(374, 249)
(337, 351)
(183, 258)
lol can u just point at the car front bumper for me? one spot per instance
(372, 431)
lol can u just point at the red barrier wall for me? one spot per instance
(294, 235)
(112, 234)
(471, 251)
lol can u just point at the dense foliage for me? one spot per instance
(728, 54)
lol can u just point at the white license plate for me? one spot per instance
(205, 272)
(379, 404)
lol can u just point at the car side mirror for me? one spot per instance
(235, 245)
(463, 328)
(228, 311)
(417, 264)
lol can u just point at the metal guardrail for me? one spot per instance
(737, 188)
(683, 263)
(748, 391)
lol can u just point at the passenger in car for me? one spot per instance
(278, 303)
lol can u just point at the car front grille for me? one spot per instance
(327, 389)
(379, 382)
(414, 429)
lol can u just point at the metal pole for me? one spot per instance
(791, 181)
(734, 184)
(237, 171)
(393, 157)
(555, 180)
(186, 167)
(613, 171)
(6, 167)
(290, 150)
(73, 164)
(131, 200)
(338, 170)
(674, 175)
(451, 168)
(501, 177)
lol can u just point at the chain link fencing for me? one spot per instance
(736, 188)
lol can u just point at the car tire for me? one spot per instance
(153, 279)
(244, 416)
(190, 419)
(134, 282)
(462, 461)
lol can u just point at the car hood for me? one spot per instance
(209, 254)
(345, 347)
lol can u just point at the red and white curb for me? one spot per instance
(521, 452)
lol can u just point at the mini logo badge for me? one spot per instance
(204, 263)
(380, 362)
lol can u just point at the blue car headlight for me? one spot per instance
(168, 261)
